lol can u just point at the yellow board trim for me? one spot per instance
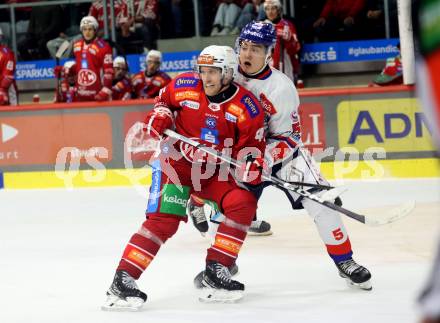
(377, 169)
(80, 178)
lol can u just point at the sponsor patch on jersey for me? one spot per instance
(190, 95)
(174, 199)
(157, 83)
(267, 105)
(209, 135)
(211, 122)
(86, 77)
(250, 105)
(190, 104)
(186, 82)
(230, 117)
(214, 107)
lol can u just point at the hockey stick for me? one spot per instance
(395, 215)
(61, 50)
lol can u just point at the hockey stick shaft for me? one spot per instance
(275, 181)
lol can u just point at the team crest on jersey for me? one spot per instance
(186, 82)
(211, 122)
(267, 105)
(209, 135)
(214, 107)
(250, 105)
(194, 155)
(86, 77)
(190, 104)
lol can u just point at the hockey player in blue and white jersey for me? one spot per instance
(285, 154)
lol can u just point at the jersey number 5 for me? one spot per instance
(338, 234)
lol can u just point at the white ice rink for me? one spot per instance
(59, 250)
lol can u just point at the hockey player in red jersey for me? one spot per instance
(285, 153)
(208, 106)
(93, 57)
(286, 50)
(8, 87)
(148, 83)
(66, 89)
(122, 89)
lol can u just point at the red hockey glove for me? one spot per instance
(252, 169)
(57, 71)
(158, 120)
(103, 95)
(4, 99)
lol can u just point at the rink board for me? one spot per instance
(382, 132)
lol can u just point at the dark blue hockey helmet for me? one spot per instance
(259, 32)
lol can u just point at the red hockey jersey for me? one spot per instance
(149, 86)
(7, 78)
(122, 90)
(240, 118)
(93, 60)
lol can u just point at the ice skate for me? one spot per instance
(217, 285)
(259, 228)
(124, 294)
(197, 213)
(356, 276)
(233, 270)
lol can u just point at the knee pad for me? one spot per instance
(162, 226)
(240, 206)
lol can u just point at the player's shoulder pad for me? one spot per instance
(186, 80)
(280, 88)
(164, 75)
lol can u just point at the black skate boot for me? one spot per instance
(355, 275)
(233, 270)
(198, 216)
(124, 294)
(218, 285)
(259, 228)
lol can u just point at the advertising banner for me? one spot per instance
(316, 53)
(396, 125)
(47, 140)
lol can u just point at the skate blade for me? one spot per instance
(363, 286)
(211, 295)
(260, 234)
(115, 304)
(198, 280)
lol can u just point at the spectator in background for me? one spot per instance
(139, 21)
(148, 83)
(374, 24)
(72, 16)
(226, 17)
(306, 13)
(8, 87)
(44, 25)
(286, 52)
(339, 20)
(122, 88)
(94, 64)
(97, 10)
(66, 82)
(250, 12)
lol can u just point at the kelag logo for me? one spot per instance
(397, 125)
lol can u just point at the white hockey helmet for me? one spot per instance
(88, 21)
(153, 53)
(273, 3)
(68, 64)
(119, 61)
(222, 57)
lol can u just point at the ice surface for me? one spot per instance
(59, 250)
